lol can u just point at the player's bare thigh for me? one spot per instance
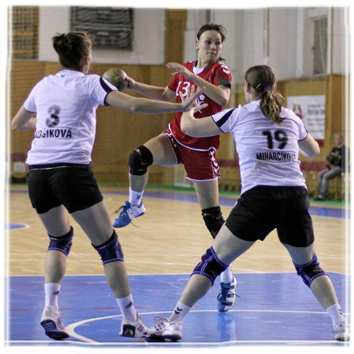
(207, 193)
(56, 221)
(162, 150)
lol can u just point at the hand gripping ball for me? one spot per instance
(116, 77)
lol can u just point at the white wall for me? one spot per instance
(340, 37)
(283, 35)
(288, 35)
(148, 46)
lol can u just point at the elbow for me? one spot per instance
(315, 152)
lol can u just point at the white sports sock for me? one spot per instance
(226, 276)
(127, 308)
(135, 198)
(179, 312)
(52, 291)
(335, 313)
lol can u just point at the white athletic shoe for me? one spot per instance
(52, 324)
(227, 295)
(168, 330)
(341, 330)
(135, 329)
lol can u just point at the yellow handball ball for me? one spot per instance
(116, 77)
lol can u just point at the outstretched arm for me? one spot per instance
(136, 104)
(219, 94)
(201, 127)
(150, 91)
(23, 120)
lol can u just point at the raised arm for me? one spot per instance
(23, 120)
(219, 94)
(144, 105)
(309, 146)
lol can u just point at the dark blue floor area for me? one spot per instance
(271, 308)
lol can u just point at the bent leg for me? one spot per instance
(162, 154)
(319, 180)
(315, 278)
(208, 197)
(226, 248)
(308, 267)
(60, 234)
(57, 224)
(330, 174)
(158, 151)
(96, 224)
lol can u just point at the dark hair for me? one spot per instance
(73, 49)
(262, 79)
(212, 27)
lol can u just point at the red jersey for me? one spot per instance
(217, 74)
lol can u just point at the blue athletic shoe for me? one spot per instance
(127, 213)
(227, 296)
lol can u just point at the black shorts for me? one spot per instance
(75, 187)
(263, 209)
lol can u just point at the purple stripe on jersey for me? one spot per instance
(224, 118)
(106, 88)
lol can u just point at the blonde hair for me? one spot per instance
(262, 79)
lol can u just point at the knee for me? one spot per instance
(61, 243)
(139, 160)
(210, 265)
(111, 250)
(309, 271)
(213, 220)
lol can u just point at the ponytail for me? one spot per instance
(262, 79)
(271, 104)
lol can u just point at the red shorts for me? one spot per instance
(200, 165)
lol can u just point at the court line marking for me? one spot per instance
(70, 329)
(178, 344)
(162, 274)
(19, 226)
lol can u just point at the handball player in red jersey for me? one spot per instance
(213, 76)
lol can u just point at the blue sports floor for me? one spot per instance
(271, 308)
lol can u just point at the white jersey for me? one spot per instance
(268, 152)
(65, 105)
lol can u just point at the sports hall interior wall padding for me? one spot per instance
(119, 132)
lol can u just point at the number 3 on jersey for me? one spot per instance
(279, 135)
(183, 89)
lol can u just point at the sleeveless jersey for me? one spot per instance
(217, 74)
(65, 105)
(268, 152)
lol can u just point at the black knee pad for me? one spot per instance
(309, 271)
(210, 265)
(139, 160)
(213, 220)
(111, 250)
(61, 243)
